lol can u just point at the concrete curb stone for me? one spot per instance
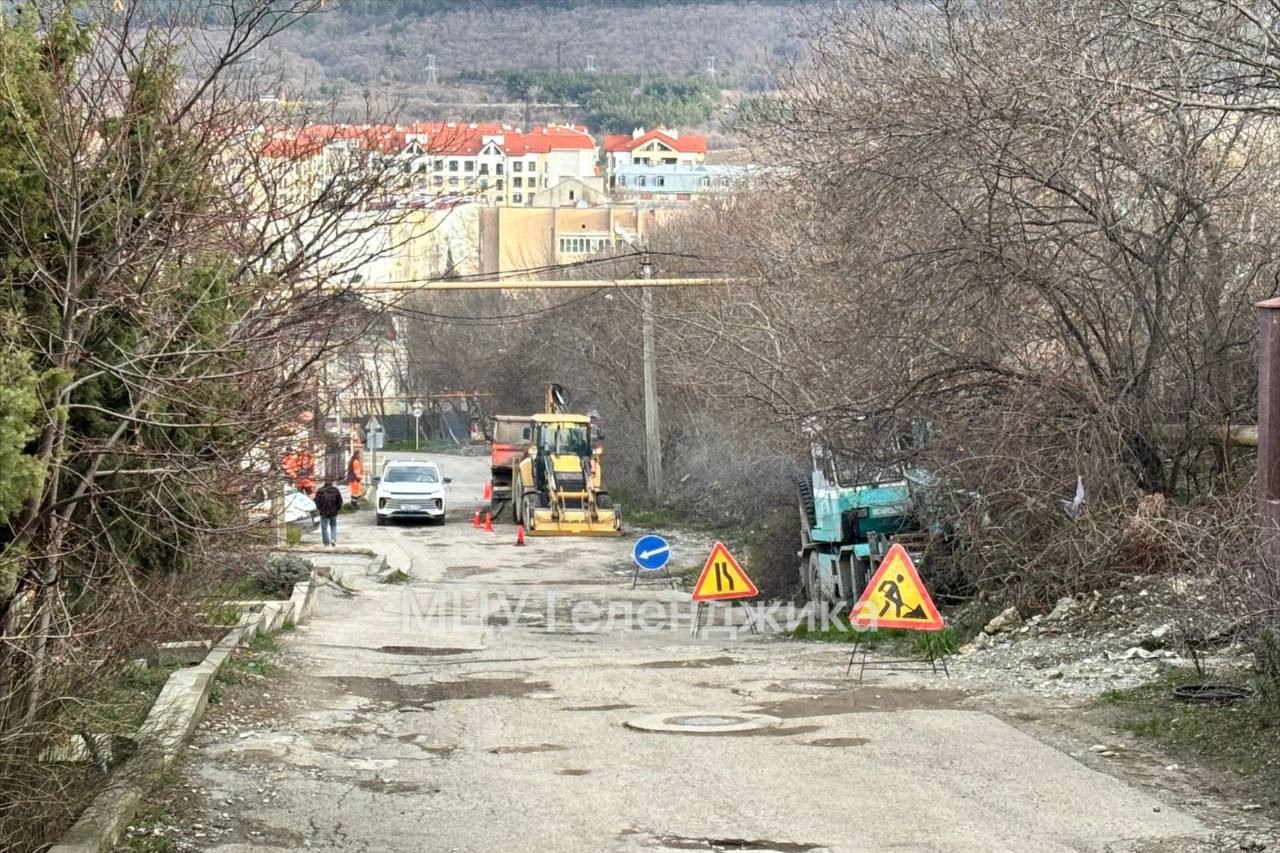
(172, 720)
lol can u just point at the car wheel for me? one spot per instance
(381, 520)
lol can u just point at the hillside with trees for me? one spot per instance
(363, 49)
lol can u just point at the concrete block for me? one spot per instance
(182, 653)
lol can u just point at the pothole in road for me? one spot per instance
(757, 845)
(572, 772)
(703, 723)
(692, 663)
(422, 697)
(521, 750)
(423, 650)
(864, 700)
(455, 572)
(838, 742)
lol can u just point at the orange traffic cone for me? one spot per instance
(519, 534)
(488, 491)
(475, 521)
(488, 522)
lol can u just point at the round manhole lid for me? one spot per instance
(703, 722)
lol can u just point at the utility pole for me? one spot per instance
(652, 430)
(1269, 425)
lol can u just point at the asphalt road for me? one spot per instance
(485, 706)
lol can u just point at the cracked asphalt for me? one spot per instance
(484, 706)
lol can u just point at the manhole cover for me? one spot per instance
(702, 723)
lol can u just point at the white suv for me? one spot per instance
(409, 489)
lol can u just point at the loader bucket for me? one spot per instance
(576, 522)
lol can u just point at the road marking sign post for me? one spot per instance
(651, 554)
(722, 579)
(417, 424)
(895, 597)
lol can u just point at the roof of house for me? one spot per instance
(442, 138)
(685, 144)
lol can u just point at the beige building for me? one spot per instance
(572, 192)
(513, 239)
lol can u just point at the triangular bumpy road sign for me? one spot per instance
(896, 597)
(722, 578)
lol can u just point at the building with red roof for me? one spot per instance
(482, 161)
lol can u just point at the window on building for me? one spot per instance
(484, 183)
(500, 183)
(704, 182)
(440, 165)
(501, 199)
(453, 182)
(453, 165)
(660, 181)
(498, 168)
(469, 166)
(517, 198)
(438, 180)
(571, 195)
(640, 181)
(622, 180)
(517, 166)
(533, 165)
(517, 182)
(484, 168)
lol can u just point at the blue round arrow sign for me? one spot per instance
(651, 552)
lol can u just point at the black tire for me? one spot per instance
(380, 520)
(532, 502)
(603, 500)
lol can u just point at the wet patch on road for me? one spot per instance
(838, 742)
(521, 750)
(692, 663)
(622, 706)
(864, 700)
(572, 772)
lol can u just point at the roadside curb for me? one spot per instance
(172, 720)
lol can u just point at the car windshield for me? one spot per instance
(414, 474)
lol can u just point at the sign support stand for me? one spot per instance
(926, 664)
(665, 576)
(705, 606)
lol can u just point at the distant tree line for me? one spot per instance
(613, 102)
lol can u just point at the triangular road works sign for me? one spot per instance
(722, 579)
(896, 597)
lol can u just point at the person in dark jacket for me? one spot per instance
(329, 504)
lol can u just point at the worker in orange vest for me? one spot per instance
(306, 473)
(355, 476)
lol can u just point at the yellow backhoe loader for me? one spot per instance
(557, 486)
